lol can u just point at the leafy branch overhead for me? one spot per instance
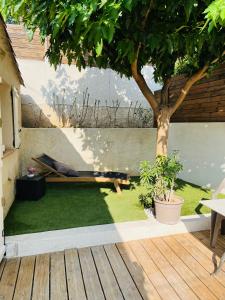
(110, 32)
(183, 36)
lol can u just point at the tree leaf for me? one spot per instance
(111, 33)
(188, 5)
(128, 4)
(211, 26)
(99, 47)
(18, 5)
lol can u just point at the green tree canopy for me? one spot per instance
(125, 35)
(167, 33)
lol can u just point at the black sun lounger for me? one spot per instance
(59, 172)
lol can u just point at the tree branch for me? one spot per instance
(189, 83)
(216, 60)
(147, 13)
(165, 91)
(138, 77)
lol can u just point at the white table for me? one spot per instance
(217, 207)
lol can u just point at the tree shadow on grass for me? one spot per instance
(134, 183)
(199, 208)
(192, 195)
(181, 184)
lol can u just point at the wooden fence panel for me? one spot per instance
(205, 101)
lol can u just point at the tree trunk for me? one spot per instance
(163, 113)
(163, 122)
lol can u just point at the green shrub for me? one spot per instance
(159, 178)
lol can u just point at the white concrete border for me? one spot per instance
(57, 240)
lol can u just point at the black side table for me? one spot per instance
(30, 188)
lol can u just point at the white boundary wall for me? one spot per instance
(202, 151)
(42, 81)
(201, 147)
(104, 149)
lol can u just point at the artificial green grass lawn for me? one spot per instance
(75, 205)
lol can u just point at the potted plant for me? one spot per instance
(159, 178)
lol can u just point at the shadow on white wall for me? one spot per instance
(40, 78)
(64, 103)
(104, 149)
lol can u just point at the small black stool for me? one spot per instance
(30, 188)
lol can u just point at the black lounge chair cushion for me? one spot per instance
(47, 160)
(61, 168)
(65, 169)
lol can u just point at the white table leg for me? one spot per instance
(222, 260)
(215, 227)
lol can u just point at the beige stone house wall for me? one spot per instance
(10, 81)
(9, 151)
(10, 172)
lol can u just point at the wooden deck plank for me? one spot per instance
(91, 280)
(159, 281)
(144, 285)
(9, 277)
(108, 280)
(205, 240)
(180, 286)
(219, 243)
(205, 235)
(2, 266)
(201, 242)
(188, 276)
(216, 288)
(201, 254)
(75, 283)
(25, 279)
(220, 239)
(124, 279)
(202, 234)
(58, 288)
(41, 278)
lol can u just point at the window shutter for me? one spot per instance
(17, 117)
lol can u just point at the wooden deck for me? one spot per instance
(173, 267)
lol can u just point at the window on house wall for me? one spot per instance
(16, 112)
(8, 120)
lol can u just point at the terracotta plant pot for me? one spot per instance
(168, 212)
